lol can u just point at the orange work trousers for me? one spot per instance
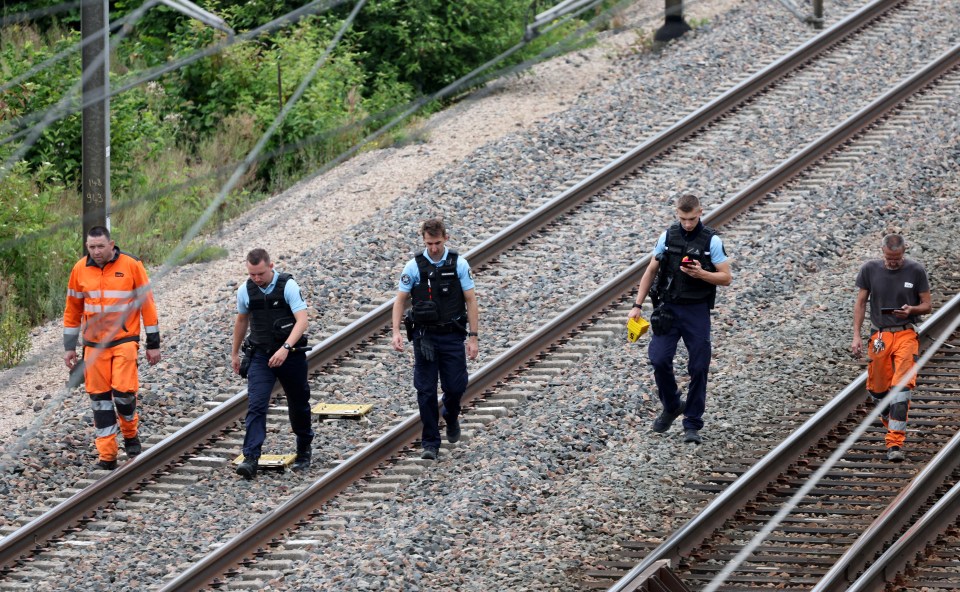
(886, 369)
(111, 380)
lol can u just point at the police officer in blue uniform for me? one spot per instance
(689, 262)
(443, 313)
(271, 306)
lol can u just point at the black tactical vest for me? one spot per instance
(270, 315)
(442, 286)
(672, 285)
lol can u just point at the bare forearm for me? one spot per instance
(239, 332)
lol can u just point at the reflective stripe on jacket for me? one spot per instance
(105, 305)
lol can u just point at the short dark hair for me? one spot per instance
(894, 242)
(688, 203)
(97, 231)
(433, 227)
(256, 256)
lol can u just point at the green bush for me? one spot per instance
(38, 265)
(176, 140)
(430, 43)
(14, 327)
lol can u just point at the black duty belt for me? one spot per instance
(895, 328)
(451, 328)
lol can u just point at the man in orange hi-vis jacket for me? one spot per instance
(107, 293)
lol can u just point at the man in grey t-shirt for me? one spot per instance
(899, 292)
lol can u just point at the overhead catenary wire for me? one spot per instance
(566, 14)
(466, 81)
(174, 257)
(315, 7)
(68, 97)
(15, 449)
(472, 79)
(73, 49)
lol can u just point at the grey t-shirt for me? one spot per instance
(892, 288)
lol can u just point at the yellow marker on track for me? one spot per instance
(271, 461)
(342, 410)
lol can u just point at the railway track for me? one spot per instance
(204, 446)
(859, 504)
(928, 409)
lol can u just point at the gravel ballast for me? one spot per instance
(497, 512)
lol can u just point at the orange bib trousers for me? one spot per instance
(111, 380)
(885, 370)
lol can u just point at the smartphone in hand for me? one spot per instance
(686, 262)
(889, 310)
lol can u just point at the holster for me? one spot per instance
(247, 349)
(661, 320)
(408, 324)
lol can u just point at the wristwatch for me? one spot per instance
(287, 346)
(471, 334)
(637, 305)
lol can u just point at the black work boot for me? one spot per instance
(132, 446)
(453, 431)
(302, 461)
(663, 421)
(107, 465)
(248, 468)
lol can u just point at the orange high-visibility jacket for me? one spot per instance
(106, 304)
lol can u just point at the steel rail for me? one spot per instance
(758, 476)
(20, 543)
(914, 540)
(286, 515)
(529, 224)
(73, 510)
(888, 525)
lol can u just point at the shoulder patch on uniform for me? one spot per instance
(470, 273)
(405, 279)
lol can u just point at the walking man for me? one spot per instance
(269, 303)
(107, 293)
(899, 292)
(443, 314)
(689, 262)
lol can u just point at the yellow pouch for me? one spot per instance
(636, 328)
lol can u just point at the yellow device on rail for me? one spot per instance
(636, 327)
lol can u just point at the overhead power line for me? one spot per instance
(15, 449)
(73, 49)
(69, 97)
(315, 7)
(174, 258)
(472, 79)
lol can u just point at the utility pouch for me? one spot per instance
(408, 324)
(661, 320)
(247, 350)
(425, 312)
